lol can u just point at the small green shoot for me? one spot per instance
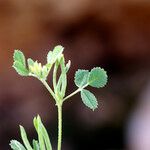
(97, 78)
(43, 142)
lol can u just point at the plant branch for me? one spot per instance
(72, 94)
(49, 89)
(75, 92)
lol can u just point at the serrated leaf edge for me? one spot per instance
(76, 75)
(90, 102)
(105, 73)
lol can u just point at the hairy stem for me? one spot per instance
(48, 88)
(75, 92)
(72, 94)
(59, 127)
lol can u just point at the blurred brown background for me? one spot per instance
(113, 34)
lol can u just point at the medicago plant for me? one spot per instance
(97, 78)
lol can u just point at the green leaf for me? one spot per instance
(35, 123)
(89, 99)
(50, 57)
(97, 77)
(25, 139)
(45, 134)
(30, 62)
(15, 145)
(45, 72)
(19, 56)
(44, 140)
(19, 63)
(55, 54)
(64, 77)
(36, 145)
(81, 77)
(20, 68)
(39, 132)
(68, 66)
(59, 83)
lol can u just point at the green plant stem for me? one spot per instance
(75, 92)
(48, 88)
(72, 94)
(59, 126)
(59, 106)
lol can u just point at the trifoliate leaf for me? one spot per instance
(55, 54)
(89, 99)
(15, 145)
(19, 63)
(81, 77)
(97, 77)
